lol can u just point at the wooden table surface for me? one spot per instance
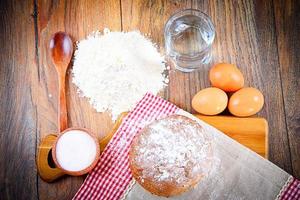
(261, 37)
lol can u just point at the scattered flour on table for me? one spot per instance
(115, 69)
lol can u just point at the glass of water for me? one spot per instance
(189, 35)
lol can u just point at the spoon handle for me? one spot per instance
(62, 112)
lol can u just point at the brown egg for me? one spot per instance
(246, 102)
(226, 77)
(210, 101)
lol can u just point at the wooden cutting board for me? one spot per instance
(250, 132)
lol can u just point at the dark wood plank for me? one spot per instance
(287, 17)
(78, 18)
(149, 17)
(246, 36)
(18, 176)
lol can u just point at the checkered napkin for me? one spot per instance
(111, 177)
(291, 190)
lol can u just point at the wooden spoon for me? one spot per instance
(61, 48)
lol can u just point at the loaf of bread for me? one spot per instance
(170, 155)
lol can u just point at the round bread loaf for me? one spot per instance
(170, 155)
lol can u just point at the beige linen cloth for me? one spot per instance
(238, 173)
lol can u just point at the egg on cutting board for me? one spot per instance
(246, 102)
(226, 77)
(210, 101)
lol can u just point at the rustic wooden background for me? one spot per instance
(261, 37)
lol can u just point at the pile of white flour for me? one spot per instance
(115, 69)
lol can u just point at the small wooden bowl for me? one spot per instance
(90, 167)
(50, 173)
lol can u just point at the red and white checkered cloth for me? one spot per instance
(290, 191)
(110, 178)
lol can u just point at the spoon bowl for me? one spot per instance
(61, 48)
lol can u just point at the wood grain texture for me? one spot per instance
(261, 37)
(77, 18)
(287, 18)
(18, 174)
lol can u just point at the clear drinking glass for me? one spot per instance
(189, 35)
